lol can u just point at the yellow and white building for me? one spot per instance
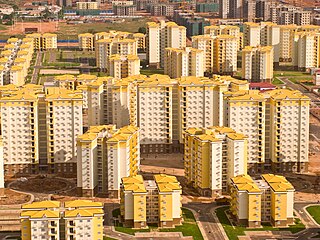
(87, 5)
(183, 62)
(161, 36)
(257, 64)
(206, 44)
(86, 41)
(212, 156)
(64, 125)
(225, 50)
(245, 113)
(269, 199)
(141, 40)
(82, 219)
(105, 155)
(17, 74)
(104, 48)
(44, 41)
(122, 66)
(287, 119)
(151, 201)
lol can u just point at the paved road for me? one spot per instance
(208, 220)
(312, 228)
(298, 87)
(37, 67)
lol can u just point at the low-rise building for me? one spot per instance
(268, 199)
(86, 41)
(151, 201)
(81, 219)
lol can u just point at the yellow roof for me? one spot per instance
(86, 77)
(88, 212)
(221, 130)
(134, 184)
(49, 35)
(55, 93)
(166, 183)
(286, 94)
(194, 131)
(12, 40)
(93, 132)
(16, 68)
(40, 214)
(6, 53)
(82, 204)
(245, 96)
(207, 137)
(277, 183)
(168, 187)
(9, 46)
(245, 183)
(65, 77)
(85, 35)
(20, 60)
(42, 205)
(236, 136)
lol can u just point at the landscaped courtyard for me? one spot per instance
(234, 231)
(189, 226)
(314, 211)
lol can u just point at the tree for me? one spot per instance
(142, 30)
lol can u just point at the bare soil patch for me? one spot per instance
(12, 198)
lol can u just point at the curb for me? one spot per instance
(308, 214)
(195, 214)
(218, 222)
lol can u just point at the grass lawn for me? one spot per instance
(69, 31)
(289, 73)
(149, 72)
(314, 211)
(234, 232)
(277, 81)
(188, 228)
(300, 78)
(108, 238)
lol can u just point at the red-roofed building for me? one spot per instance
(262, 86)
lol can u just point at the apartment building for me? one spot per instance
(161, 36)
(224, 30)
(42, 127)
(288, 14)
(155, 201)
(183, 62)
(105, 155)
(122, 66)
(106, 47)
(78, 219)
(245, 113)
(44, 41)
(267, 199)
(306, 50)
(257, 64)
(87, 5)
(141, 40)
(86, 41)
(206, 44)
(225, 50)
(17, 75)
(64, 125)
(212, 156)
(287, 139)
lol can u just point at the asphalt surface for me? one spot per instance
(206, 217)
(298, 87)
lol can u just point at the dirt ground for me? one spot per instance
(314, 145)
(46, 185)
(43, 27)
(165, 163)
(11, 198)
